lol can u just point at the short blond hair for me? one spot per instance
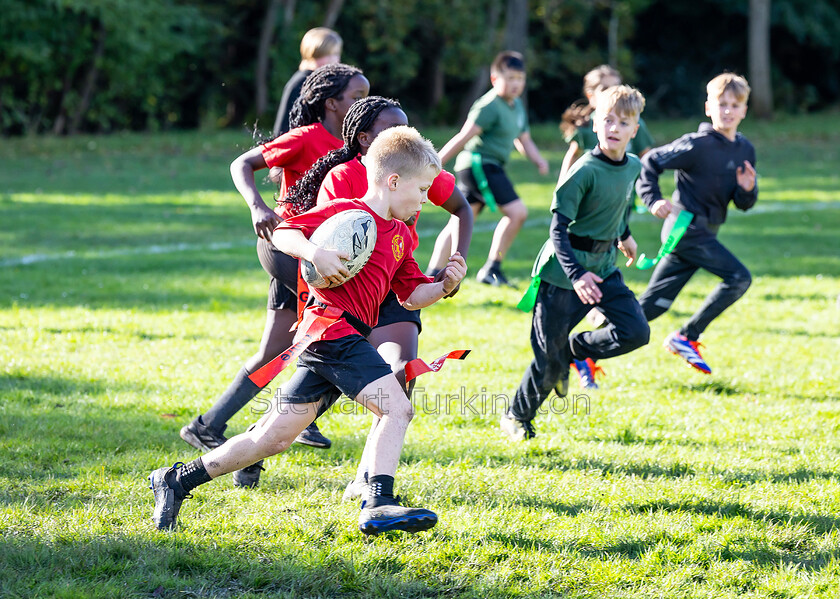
(625, 100)
(401, 150)
(320, 42)
(728, 82)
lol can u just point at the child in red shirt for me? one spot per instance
(316, 117)
(402, 168)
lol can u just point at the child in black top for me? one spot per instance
(713, 166)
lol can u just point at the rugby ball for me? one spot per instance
(352, 232)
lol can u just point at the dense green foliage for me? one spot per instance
(105, 65)
(130, 294)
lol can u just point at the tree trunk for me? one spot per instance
(516, 26)
(761, 98)
(612, 36)
(264, 56)
(333, 10)
(61, 119)
(90, 80)
(482, 77)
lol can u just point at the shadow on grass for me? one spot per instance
(167, 565)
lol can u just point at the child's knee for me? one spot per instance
(740, 281)
(636, 336)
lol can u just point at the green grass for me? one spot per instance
(145, 296)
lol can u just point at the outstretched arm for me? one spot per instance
(242, 170)
(427, 294)
(526, 146)
(456, 144)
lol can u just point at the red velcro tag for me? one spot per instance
(417, 366)
(266, 373)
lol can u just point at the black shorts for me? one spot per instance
(391, 311)
(500, 185)
(326, 369)
(282, 291)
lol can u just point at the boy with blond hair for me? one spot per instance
(576, 269)
(319, 46)
(713, 166)
(336, 357)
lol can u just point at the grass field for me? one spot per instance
(130, 294)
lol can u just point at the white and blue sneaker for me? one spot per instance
(688, 350)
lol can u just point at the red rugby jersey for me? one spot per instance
(349, 180)
(295, 152)
(391, 266)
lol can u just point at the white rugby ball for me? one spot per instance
(352, 232)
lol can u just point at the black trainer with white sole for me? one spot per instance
(382, 515)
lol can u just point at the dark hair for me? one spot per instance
(578, 115)
(507, 60)
(360, 117)
(328, 81)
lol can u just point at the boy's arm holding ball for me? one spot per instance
(328, 263)
(427, 294)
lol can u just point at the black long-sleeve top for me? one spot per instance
(705, 164)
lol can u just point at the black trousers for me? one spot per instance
(674, 271)
(556, 312)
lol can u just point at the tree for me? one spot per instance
(761, 99)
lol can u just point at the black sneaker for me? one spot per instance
(388, 514)
(167, 503)
(249, 477)
(517, 430)
(312, 436)
(201, 436)
(491, 276)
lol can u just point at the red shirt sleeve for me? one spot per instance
(441, 188)
(348, 180)
(407, 277)
(283, 150)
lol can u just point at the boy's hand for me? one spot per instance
(661, 208)
(745, 175)
(329, 265)
(629, 248)
(440, 276)
(454, 272)
(587, 288)
(264, 220)
(542, 166)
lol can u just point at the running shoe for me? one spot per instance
(688, 350)
(517, 430)
(587, 371)
(167, 503)
(388, 515)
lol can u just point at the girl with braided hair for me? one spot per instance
(342, 174)
(316, 119)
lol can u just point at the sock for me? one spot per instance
(239, 392)
(189, 477)
(380, 490)
(493, 265)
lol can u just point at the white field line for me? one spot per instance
(484, 227)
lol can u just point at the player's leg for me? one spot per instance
(556, 312)
(626, 328)
(714, 257)
(381, 510)
(669, 277)
(272, 434)
(396, 339)
(514, 214)
(205, 432)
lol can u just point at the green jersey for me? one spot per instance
(500, 124)
(587, 139)
(597, 196)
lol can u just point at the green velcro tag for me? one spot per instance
(526, 304)
(481, 181)
(677, 232)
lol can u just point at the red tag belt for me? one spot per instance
(417, 366)
(314, 331)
